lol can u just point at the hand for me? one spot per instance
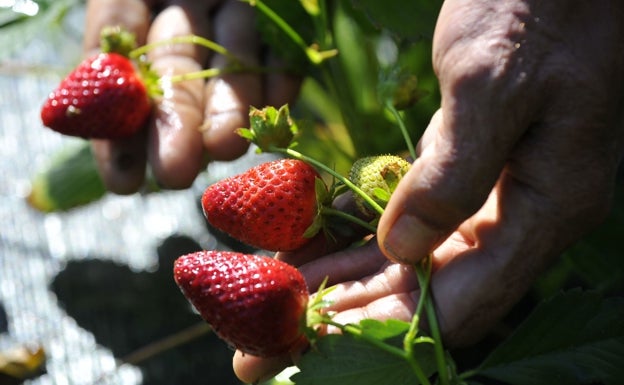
(195, 121)
(519, 163)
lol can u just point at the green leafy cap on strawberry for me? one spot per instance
(270, 128)
(114, 39)
(118, 40)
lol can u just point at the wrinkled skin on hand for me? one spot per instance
(519, 163)
(195, 121)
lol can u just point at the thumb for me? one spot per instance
(450, 180)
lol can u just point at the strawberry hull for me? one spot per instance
(256, 304)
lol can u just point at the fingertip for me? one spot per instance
(409, 239)
(175, 151)
(253, 370)
(220, 138)
(132, 15)
(121, 164)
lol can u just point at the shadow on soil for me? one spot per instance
(128, 310)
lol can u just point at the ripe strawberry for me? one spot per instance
(378, 177)
(255, 303)
(103, 97)
(272, 206)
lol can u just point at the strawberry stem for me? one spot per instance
(406, 137)
(423, 273)
(351, 218)
(188, 39)
(297, 155)
(314, 55)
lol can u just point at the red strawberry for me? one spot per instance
(104, 97)
(272, 206)
(255, 303)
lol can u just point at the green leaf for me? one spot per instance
(297, 17)
(574, 338)
(347, 360)
(381, 195)
(383, 330)
(270, 128)
(410, 20)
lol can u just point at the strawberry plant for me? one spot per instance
(366, 69)
(556, 342)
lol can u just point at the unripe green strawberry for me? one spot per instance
(255, 303)
(378, 177)
(272, 206)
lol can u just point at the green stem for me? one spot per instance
(203, 74)
(315, 56)
(411, 336)
(297, 155)
(437, 346)
(349, 217)
(190, 39)
(212, 72)
(423, 280)
(406, 137)
(468, 373)
(170, 342)
(281, 23)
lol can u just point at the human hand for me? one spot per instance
(195, 120)
(519, 163)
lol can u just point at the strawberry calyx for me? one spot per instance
(270, 128)
(323, 199)
(118, 40)
(114, 39)
(316, 316)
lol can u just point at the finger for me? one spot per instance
(253, 370)
(132, 15)
(175, 150)
(335, 239)
(391, 280)
(399, 306)
(491, 262)
(349, 264)
(229, 96)
(466, 146)
(281, 86)
(428, 135)
(319, 246)
(121, 163)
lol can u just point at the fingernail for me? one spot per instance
(409, 240)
